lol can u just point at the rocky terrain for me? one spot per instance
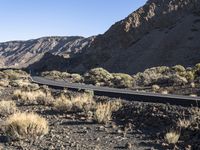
(38, 117)
(23, 53)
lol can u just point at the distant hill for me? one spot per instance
(23, 53)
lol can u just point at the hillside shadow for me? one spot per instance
(48, 62)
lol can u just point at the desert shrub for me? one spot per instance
(196, 70)
(164, 92)
(156, 75)
(189, 75)
(183, 123)
(21, 83)
(63, 103)
(7, 107)
(3, 75)
(178, 80)
(4, 83)
(52, 74)
(76, 78)
(155, 87)
(103, 113)
(179, 68)
(15, 74)
(122, 80)
(176, 75)
(25, 126)
(81, 102)
(34, 97)
(65, 75)
(98, 75)
(195, 116)
(172, 137)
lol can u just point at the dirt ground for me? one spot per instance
(136, 126)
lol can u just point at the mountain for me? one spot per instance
(24, 53)
(162, 32)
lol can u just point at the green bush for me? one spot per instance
(15, 74)
(98, 75)
(179, 68)
(76, 78)
(196, 70)
(122, 80)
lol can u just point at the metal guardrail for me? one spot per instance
(123, 93)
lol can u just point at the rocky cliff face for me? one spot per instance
(162, 32)
(24, 53)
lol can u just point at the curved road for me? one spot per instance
(122, 93)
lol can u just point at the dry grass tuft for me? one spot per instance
(63, 103)
(183, 123)
(81, 102)
(25, 125)
(164, 92)
(103, 113)
(155, 87)
(193, 95)
(7, 107)
(172, 137)
(34, 97)
(21, 83)
(4, 83)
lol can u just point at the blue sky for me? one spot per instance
(28, 19)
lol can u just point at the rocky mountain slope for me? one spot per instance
(162, 32)
(24, 53)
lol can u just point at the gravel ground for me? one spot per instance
(135, 126)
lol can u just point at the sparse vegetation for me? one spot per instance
(63, 103)
(162, 76)
(15, 74)
(98, 76)
(83, 107)
(122, 80)
(81, 102)
(103, 113)
(4, 83)
(34, 97)
(184, 123)
(155, 88)
(7, 107)
(25, 125)
(62, 76)
(172, 137)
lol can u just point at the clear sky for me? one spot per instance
(28, 19)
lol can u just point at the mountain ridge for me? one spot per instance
(23, 53)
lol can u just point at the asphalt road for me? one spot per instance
(122, 93)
